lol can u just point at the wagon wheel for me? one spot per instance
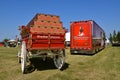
(59, 59)
(19, 57)
(23, 57)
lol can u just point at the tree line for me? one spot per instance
(115, 37)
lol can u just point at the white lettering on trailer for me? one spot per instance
(80, 38)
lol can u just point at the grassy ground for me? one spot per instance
(104, 65)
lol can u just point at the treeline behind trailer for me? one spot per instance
(86, 37)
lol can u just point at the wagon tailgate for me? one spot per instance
(48, 41)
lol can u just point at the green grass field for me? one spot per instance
(104, 65)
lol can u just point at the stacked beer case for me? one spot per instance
(46, 23)
(45, 20)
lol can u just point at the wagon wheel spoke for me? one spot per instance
(19, 57)
(59, 59)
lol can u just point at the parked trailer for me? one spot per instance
(86, 37)
(42, 42)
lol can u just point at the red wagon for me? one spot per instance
(43, 42)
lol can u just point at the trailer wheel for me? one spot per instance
(23, 57)
(59, 59)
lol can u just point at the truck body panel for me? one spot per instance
(86, 36)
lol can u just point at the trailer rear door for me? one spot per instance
(81, 35)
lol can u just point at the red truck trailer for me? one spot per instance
(42, 40)
(86, 37)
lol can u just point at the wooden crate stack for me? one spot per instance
(46, 21)
(43, 23)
